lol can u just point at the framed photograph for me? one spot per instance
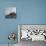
(31, 32)
(10, 12)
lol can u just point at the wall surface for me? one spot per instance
(28, 12)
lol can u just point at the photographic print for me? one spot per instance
(10, 12)
(28, 34)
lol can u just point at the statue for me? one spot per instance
(11, 37)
